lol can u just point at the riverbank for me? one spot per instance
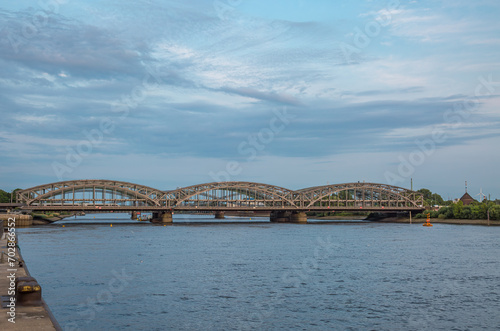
(41, 219)
(35, 219)
(26, 317)
(440, 221)
(336, 218)
(414, 220)
(21, 219)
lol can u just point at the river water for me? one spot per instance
(196, 275)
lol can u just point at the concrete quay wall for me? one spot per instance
(26, 318)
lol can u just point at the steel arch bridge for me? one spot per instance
(108, 195)
(90, 192)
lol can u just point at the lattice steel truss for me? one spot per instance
(116, 195)
(362, 195)
(91, 192)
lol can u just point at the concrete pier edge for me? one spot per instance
(45, 305)
(38, 317)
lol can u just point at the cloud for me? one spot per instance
(254, 94)
(69, 47)
(409, 90)
(439, 25)
(215, 82)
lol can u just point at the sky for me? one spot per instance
(291, 93)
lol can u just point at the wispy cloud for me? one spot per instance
(254, 94)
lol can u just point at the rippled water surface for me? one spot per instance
(195, 276)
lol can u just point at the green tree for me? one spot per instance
(483, 210)
(466, 212)
(426, 192)
(14, 195)
(447, 212)
(495, 212)
(476, 213)
(345, 194)
(437, 199)
(4, 196)
(457, 209)
(431, 198)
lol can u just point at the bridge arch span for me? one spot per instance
(102, 192)
(360, 194)
(224, 194)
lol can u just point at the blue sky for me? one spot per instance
(293, 93)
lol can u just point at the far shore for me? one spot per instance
(414, 220)
(37, 220)
(339, 218)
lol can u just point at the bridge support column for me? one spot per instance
(166, 217)
(412, 214)
(298, 217)
(279, 216)
(162, 217)
(134, 215)
(219, 215)
(288, 217)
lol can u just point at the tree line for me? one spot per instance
(5, 196)
(476, 210)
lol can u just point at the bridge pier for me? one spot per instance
(298, 217)
(288, 217)
(134, 215)
(278, 216)
(162, 217)
(219, 215)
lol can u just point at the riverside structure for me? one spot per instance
(20, 311)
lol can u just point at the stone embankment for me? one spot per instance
(21, 219)
(23, 307)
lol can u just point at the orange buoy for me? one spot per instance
(428, 221)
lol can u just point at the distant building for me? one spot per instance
(466, 199)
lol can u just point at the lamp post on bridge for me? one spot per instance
(411, 188)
